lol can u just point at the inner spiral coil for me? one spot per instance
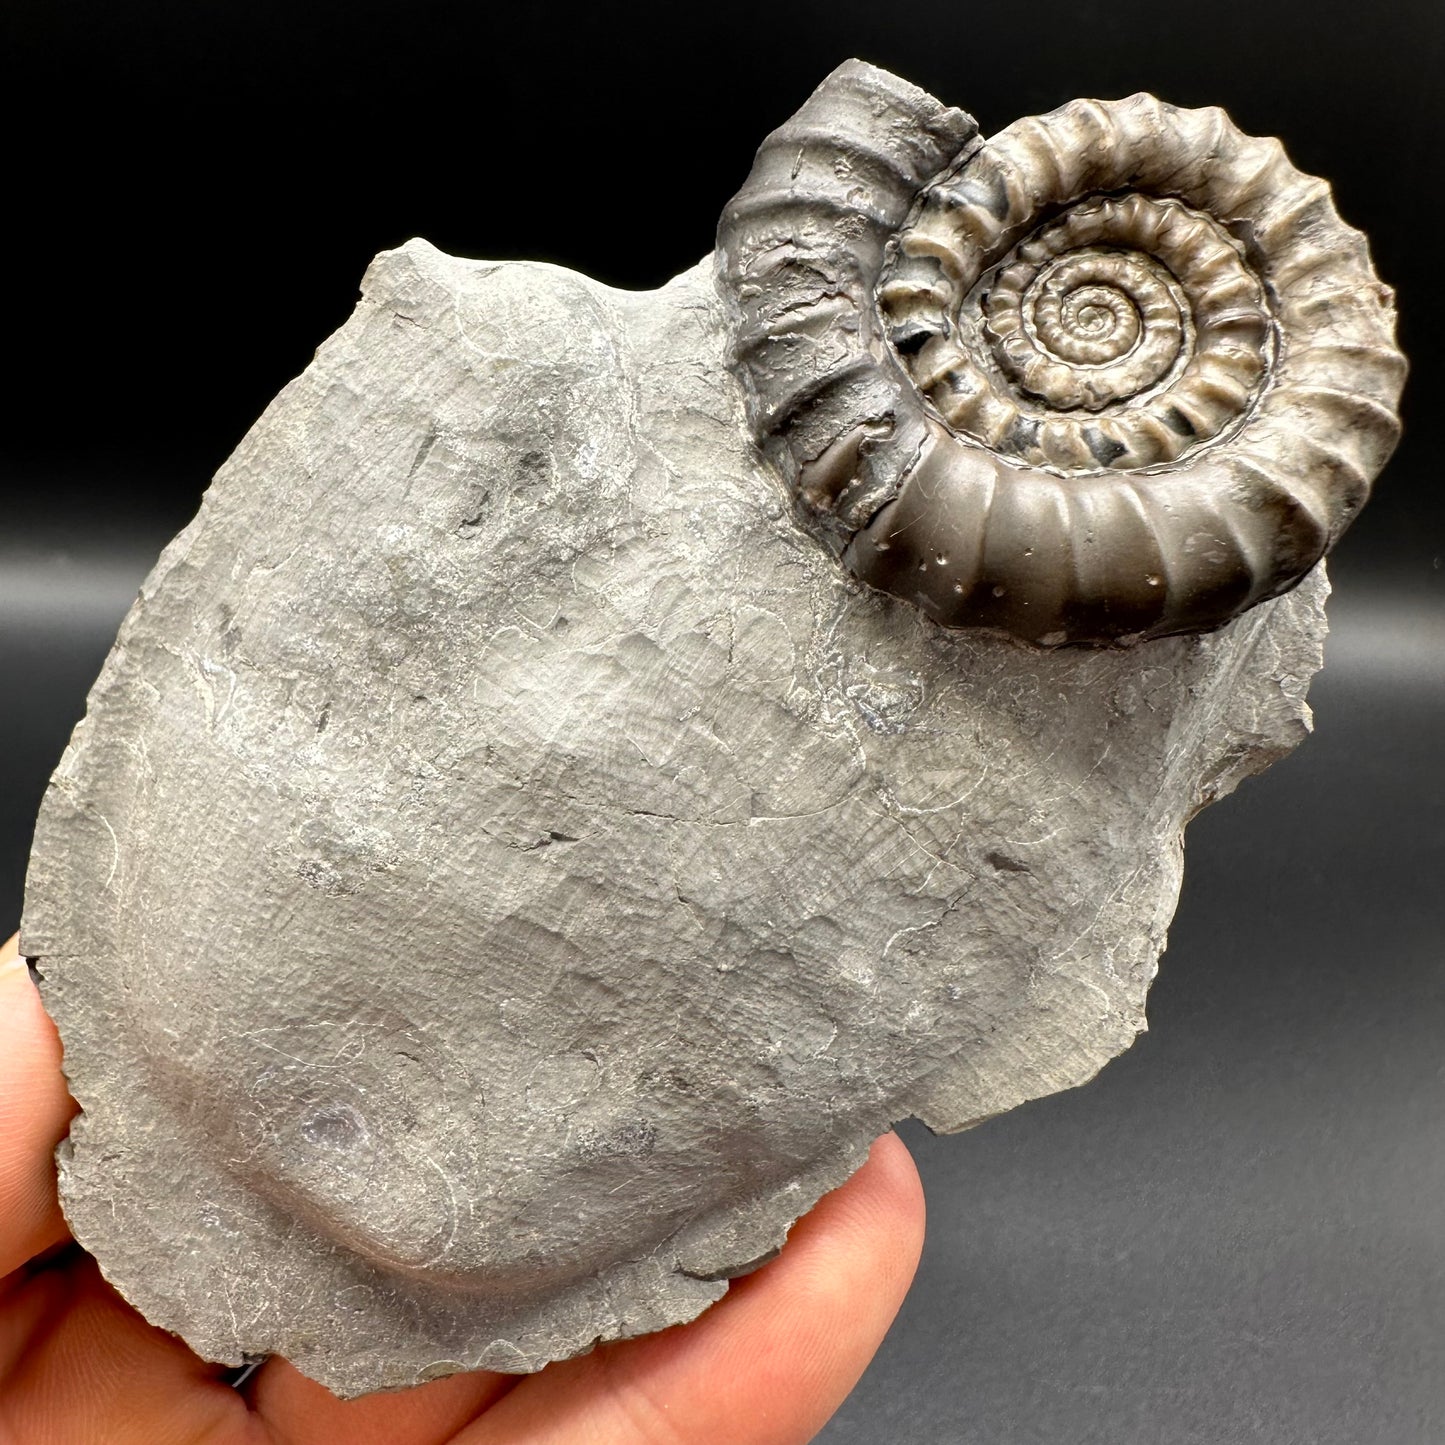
(1086, 330)
(1121, 334)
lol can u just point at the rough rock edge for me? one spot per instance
(1261, 722)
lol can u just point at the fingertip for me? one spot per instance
(771, 1361)
(35, 1111)
(888, 1182)
(895, 1190)
(81, 1365)
(879, 1212)
(297, 1409)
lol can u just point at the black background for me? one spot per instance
(1238, 1232)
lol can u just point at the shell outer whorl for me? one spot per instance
(799, 251)
(1117, 372)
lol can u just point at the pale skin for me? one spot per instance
(766, 1366)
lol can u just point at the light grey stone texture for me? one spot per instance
(508, 870)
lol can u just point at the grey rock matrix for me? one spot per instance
(509, 870)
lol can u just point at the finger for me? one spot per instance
(35, 1111)
(82, 1366)
(298, 1411)
(770, 1362)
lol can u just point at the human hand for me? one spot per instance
(767, 1365)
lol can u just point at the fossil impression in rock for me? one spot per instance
(1117, 372)
(597, 759)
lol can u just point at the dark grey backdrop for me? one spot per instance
(1237, 1234)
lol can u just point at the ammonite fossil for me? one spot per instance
(508, 870)
(1117, 372)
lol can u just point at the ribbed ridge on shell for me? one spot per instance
(799, 250)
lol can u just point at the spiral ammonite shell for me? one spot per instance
(1118, 372)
